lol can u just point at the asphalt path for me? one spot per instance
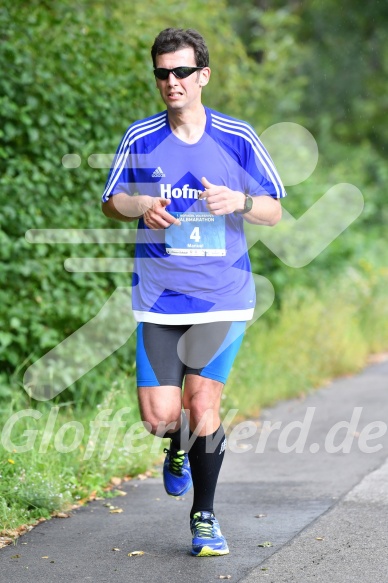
(302, 480)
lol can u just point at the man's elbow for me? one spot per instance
(276, 216)
(103, 208)
(106, 208)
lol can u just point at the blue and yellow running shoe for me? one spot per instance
(207, 538)
(176, 472)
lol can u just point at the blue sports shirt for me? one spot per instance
(199, 271)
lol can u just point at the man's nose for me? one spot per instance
(171, 78)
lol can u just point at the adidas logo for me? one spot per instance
(158, 173)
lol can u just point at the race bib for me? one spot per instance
(198, 234)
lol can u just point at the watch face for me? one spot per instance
(248, 203)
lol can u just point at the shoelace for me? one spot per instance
(204, 528)
(176, 461)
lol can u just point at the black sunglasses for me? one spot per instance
(178, 72)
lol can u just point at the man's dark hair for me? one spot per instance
(175, 39)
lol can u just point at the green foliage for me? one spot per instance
(59, 87)
(328, 62)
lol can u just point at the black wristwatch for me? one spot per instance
(247, 205)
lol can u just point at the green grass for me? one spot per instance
(55, 472)
(316, 335)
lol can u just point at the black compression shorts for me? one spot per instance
(165, 354)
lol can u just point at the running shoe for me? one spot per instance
(176, 472)
(207, 538)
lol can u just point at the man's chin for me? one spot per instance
(174, 105)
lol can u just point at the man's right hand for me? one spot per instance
(122, 207)
(157, 217)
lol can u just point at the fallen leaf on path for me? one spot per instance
(7, 532)
(115, 549)
(224, 576)
(110, 506)
(120, 493)
(116, 511)
(9, 536)
(61, 515)
(147, 474)
(135, 553)
(319, 538)
(115, 481)
(265, 544)
(44, 557)
(15, 557)
(260, 515)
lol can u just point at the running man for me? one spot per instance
(191, 176)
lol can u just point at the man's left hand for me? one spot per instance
(221, 200)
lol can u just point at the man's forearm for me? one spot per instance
(265, 211)
(122, 207)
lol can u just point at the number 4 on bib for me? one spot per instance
(200, 233)
(195, 235)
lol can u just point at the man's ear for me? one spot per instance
(204, 76)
